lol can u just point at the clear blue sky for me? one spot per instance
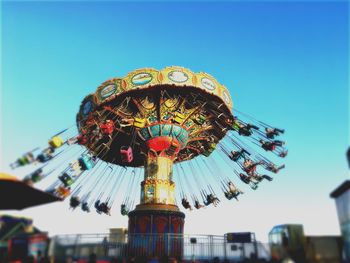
(284, 63)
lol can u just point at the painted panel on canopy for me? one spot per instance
(166, 129)
(108, 90)
(176, 131)
(142, 78)
(207, 82)
(174, 75)
(145, 133)
(183, 136)
(178, 76)
(226, 97)
(87, 106)
(155, 130)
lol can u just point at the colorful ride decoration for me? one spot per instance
(152, 120)
(160, 117)
(159, 107)
(155, 118)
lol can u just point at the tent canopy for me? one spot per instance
(16, 195)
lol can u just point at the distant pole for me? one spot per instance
(243, 250)
(211, 246)
(348, 156)
(255, 247)
(225, 246)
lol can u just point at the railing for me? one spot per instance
(187, 247)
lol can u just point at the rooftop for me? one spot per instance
(341, 189)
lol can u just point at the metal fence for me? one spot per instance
(187, 247)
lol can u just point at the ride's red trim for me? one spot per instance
(82, 139)
(143, 223)
(160, 223)
(107, 127)
(177, 225)
(160, 143)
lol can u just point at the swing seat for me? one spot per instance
(66, 180)
(23, 160)
(167, 116)
(63, 191)
(270, 147)
(82, 139)
(212, 146)
(85, 207)
(126, 154)
(74, 202)
(178, 117)
(43, 157)
(139, 123)
(86, 162)
(244, 131)
(200, 119)
(75, 168)
(37, 176)
(235, 126)
(152, 119)
(56, 142)
(107, 127)
(228, 195)
(124, 212)
(253, 186)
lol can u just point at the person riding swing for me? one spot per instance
(272, 132)
(237, 155)
(186, 204)
(248, 180)
(273, 168)
(270, 146)
(211, 199)
(123, 210)
(74, 202)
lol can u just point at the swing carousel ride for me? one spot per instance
(165, 124)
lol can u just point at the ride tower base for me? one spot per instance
(156, 230)
(156, 225)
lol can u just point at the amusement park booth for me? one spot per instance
(18, 238)
(289, 242)
(25, 245)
